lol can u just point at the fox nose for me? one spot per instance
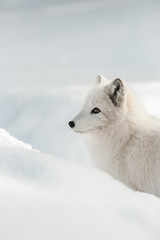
(71, 124)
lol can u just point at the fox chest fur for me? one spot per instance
(135, 162)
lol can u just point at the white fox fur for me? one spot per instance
(123, 139)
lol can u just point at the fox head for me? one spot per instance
(105, 107)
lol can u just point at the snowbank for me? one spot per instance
(42, 197)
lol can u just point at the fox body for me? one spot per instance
(123, 139)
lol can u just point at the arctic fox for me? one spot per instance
(123, 139)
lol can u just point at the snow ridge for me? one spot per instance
(43, 197)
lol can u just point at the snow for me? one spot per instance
(65, 197)
(42, 197)
(50, 42)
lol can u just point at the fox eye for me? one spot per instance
(95, 110)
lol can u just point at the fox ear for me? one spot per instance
(102, 80)
(116, 92)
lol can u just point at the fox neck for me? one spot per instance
(114, 137)
(106, 143)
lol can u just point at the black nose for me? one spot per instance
(71, 124)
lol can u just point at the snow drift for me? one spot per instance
(43, 197)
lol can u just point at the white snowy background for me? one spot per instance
(50, 54)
